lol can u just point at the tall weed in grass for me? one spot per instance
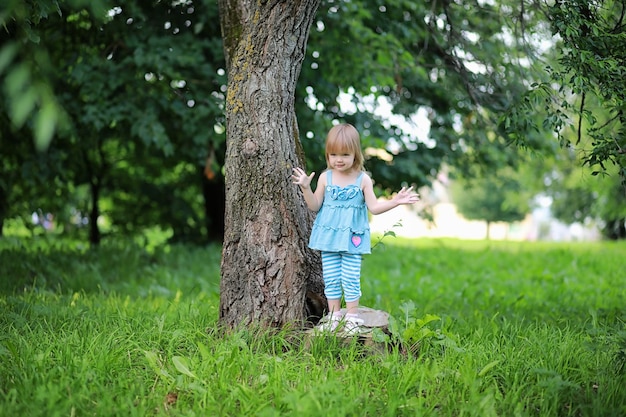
(478, 329)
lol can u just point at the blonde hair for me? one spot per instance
(344, 138)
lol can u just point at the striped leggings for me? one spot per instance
(342, 271)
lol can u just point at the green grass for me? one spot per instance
(478, 329)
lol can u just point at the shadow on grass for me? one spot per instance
(113, 267)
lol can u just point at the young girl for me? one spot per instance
(341, 230)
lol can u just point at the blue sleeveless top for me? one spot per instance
(342, 224)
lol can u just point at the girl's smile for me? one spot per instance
(341, 162)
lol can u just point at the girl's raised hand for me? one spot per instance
(407, 196)
(300, 178)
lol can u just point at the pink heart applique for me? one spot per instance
(356, 240)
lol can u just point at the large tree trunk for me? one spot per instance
(267, 268)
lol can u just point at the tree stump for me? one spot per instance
(372, 319)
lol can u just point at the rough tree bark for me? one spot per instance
(266, 268)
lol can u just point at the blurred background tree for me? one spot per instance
(583, 102)
(499, 196)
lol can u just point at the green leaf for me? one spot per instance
(204, 352)
(488, 367)
(428, 318)
(155, 364)
(379, 336)
(407, 307)
(23, 106)
(182, 365)
(394, 328)
(7, 53)
(45, 124)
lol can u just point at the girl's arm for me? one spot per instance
(315, 199)
(404, 196)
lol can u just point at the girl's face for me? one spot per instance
(342, 162)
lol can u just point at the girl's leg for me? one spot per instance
(352, 307)
(331, 268)
(351, 281)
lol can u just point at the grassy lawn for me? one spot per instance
(478, 329)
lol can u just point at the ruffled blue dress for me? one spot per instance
(341, 224)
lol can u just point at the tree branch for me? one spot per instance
(580, 118)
